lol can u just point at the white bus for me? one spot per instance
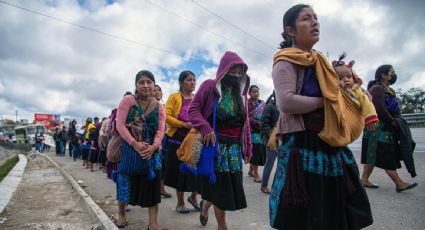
(26, 134)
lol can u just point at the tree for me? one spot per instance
(412, 101)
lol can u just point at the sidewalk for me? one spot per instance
(390, 210)
(44, 199)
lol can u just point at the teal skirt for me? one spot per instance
(380, 147)
(317, 186)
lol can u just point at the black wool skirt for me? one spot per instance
(139, 190)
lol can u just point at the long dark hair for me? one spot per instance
(159, 87)
(251, 88)
(271, 98)
(183, 75)
(289, 19)
(145, 73)
(237, 96)
(383, 69)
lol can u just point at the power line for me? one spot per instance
(203, 28)
(233, 25)
(107, 34)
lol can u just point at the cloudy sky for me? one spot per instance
(77, 58)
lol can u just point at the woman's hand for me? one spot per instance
(209, 138)
(139, 146)
(148, 152)
(187, 125)
(371, 126)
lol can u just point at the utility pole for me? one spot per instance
(16, 120)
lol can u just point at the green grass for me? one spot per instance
(6, 167)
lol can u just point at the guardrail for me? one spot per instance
(20, 147)
(415, 119)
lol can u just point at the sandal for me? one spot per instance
(166, 194)
(120, 225)
(195, 206)
(149, 228)
(183, 210)
(406, 188)
(257, 180)
(371, 185)
(202, 219)
(265, 190)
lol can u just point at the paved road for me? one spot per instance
(391, 210)
(417, 133)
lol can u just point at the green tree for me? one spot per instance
(412, 101)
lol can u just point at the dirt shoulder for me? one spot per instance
(45, 200)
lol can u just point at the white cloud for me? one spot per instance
(84, 73)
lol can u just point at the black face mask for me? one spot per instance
(230, 80)
(393, 79)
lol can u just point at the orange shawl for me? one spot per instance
(343, 117)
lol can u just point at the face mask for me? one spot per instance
(230, 80)
(393, 79)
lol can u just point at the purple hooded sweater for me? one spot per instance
(202, 104)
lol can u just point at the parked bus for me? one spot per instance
(26, 134)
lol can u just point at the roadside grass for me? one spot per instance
(7, 166)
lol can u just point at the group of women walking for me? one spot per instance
(317, 183)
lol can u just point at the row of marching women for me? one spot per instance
(198, 142)
(89, 142)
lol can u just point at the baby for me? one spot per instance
(351, 83)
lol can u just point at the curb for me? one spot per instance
(10, 183)
(95, 210)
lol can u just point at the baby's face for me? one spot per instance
(346, 79)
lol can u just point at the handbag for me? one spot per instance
(272, 142)
(113, 151)
(203, 164)
(131, 162)
(190, 146)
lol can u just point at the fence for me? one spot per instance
(415, 119)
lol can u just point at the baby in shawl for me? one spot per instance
(351, 83)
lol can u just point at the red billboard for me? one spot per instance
(47, 120)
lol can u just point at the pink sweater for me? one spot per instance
(288, 79)
(126, 103)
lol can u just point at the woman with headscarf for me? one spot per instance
(317, 184)
(229, 92)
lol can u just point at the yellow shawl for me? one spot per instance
(343, 117)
